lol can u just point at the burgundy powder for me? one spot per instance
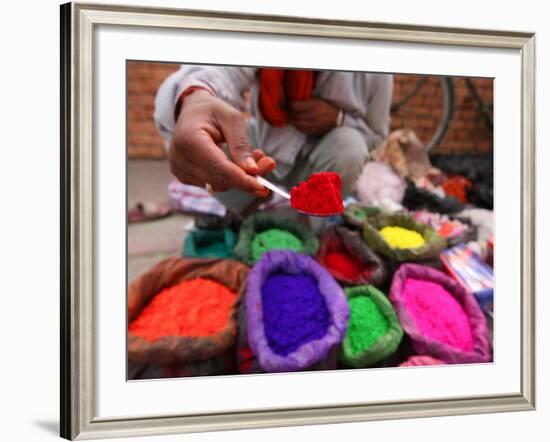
(437, 314)
(294, 311)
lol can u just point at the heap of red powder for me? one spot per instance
(196, 307)
(321, 194)
(342, 264)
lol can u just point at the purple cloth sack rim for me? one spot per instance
(310, 352)
(428, 346)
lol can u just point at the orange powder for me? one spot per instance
(196, 307)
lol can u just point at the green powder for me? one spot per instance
(274, 239)
(366, 324)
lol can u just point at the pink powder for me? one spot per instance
(437, 314)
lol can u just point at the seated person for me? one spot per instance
(302, 122)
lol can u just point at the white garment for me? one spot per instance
(365, 99)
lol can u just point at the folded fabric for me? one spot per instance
(277, 87)
(192, 199)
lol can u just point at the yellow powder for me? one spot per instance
(400, 238)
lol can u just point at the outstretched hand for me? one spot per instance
(204, 124)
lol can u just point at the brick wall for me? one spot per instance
(143, 82)
(467, 132)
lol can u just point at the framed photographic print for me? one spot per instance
(275, 220)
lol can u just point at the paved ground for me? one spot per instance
(151, 242)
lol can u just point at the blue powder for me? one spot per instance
(294, 311)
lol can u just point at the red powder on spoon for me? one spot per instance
(320, 195)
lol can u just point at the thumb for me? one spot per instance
(235, 134)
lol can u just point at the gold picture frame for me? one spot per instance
(77, 389)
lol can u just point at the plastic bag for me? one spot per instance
(416, 198)
(184, 350)
(473, 167)
(367, 268)
(379, 185)
(310, 353)
(477, 168)
(433, 243)
(260, 222)
(426, 345)
(385, 345)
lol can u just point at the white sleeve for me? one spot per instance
(376, 125)
(227, 83)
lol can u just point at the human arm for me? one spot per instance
(207, 118)
(375, 125)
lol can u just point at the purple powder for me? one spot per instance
(294, 311)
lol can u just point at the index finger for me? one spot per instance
(226, 174)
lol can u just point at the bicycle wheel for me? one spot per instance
(424, 104)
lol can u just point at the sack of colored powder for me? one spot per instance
(440, 316)
(224, 364)
(182, 315)
(247, 362)
(296, 314)
(373, 330)
(355, 215)
(348, 258)
(428, 247)
(263, 232)
(417, 361)
(211, 243)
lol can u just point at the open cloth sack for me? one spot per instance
(370, 267)
(426, 345)
(433, 243)
(310, 353)
(260, 222)
(184, 350)
(356, 214)
(385, 345)
(247, 362)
